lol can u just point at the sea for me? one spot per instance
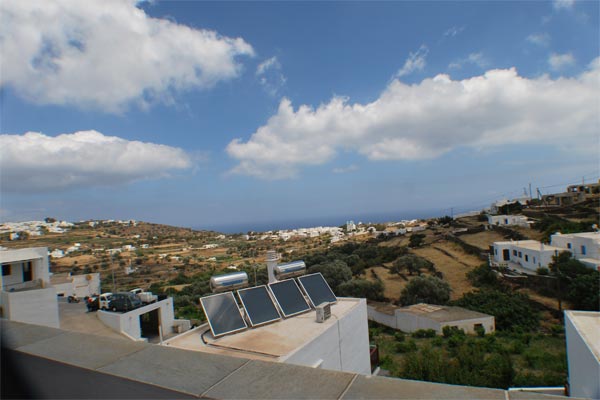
(309, 222)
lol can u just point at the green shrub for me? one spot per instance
(449, 331)
(406, 347)
(424, 333)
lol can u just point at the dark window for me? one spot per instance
(514, 252)
(569, 245)
(520, 255)
(583, 250)
(5, 269)
(526, 257)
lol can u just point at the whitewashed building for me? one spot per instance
(584, 246)
(508, 220)
(429, 316)
(529, 255)
(525, 255)
(26, 292)
(582, 331)
(78, 285)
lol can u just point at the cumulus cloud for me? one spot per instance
(345, 170)
(426, 120)
(270, 76)
(539, 39)
(108, 54)
(34, 162)
(474, 59)
(563, 4)
(415, 62)
(560, 61)
(453, 31)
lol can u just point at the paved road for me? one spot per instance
(74, 317)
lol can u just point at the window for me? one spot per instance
(5, 269)
(583, 250)
(514, 252)
(520, 255)
(569, 246)
(534, 261)
(526, 258)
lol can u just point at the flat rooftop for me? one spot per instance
(58, 364)
(530, 245)
(587, 324)
(431, 311)
(268, 342)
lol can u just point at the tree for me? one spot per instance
(412, 263)
(416, 240)
(425, 289)
(512, 311)
(483, 276)
(362, 288)
(576, 283)
(49, 220)
(335, 272)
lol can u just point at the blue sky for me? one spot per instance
(211, 114)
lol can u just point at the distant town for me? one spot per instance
(492, 286)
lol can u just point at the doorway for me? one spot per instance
(149, 325)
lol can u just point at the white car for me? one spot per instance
(105, 298)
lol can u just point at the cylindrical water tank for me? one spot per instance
(290, 270)
(223, 283)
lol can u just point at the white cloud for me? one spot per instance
(563, 4)
(414, 62)
(560, 61)
(425, 120)
(107, 54)
(270, 76)
(453, 31)
(34, 162)
(345, 170)
(539, 39)
(474, 58)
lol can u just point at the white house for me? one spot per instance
(508, 220)
(584, 246)
(26, 292)
(582, 331)
(429, 316)
(525, 255)
(57, 253)
(529, 255)
(79, 285)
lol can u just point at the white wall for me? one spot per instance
(584, 367)
(38, 307)
(507, 220)
(530, 259)
(589, 240)
(39, 260)
(129, 322)
(344, 346)
(408, 322)
(381, 318)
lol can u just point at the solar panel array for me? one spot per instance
(289, 298)
(317, 289)
(259, 306)
(224, 315)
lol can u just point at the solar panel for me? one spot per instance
(288, 297)
(317, 289)
(223, 314)
(258, 305)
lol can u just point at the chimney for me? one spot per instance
(272, 258)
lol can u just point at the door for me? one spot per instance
(506, 254)
(27, 272)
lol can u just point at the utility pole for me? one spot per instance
(452, 212)
(112, 267)
(530, 191)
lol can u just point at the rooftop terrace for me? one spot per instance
(54, 363)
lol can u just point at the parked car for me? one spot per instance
(104, 300)
(125, 301)
(145, 297)
(92, 303)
